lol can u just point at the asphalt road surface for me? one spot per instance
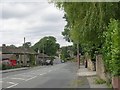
(57, 76)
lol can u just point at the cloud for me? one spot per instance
(15, 10)
(51, 14)
(31, 20)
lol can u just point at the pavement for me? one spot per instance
(12, 70)
(90, 76)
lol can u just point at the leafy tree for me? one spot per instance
(64, 53)
(87, 22)
(47, 45)
(12, 46)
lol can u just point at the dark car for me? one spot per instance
(49, 62)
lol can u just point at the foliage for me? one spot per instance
(5, 67)
(99, 81)
(52, 58)
(32, 60)
(74, 48)
(64, 53)
(111, 48)
(86, 22)
(13, 46)
(27, 45)
(86, 25)
(47, 45)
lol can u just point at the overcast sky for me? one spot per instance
(32, 20)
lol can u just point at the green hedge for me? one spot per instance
(111, 49)
(5, 67)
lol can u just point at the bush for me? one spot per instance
(4, 67)
(99, 81)
(111, 49)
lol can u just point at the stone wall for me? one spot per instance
(100, 69)
(90, 64)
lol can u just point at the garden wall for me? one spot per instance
(90, 64)
(100, 69)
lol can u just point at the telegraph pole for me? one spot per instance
(78, 55)
(24, 51)
(43, 52)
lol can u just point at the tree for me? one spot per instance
(86, 25)
(64, 53)
(86, 22)
(13, 46)
(47, 45)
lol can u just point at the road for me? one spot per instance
(56, 76)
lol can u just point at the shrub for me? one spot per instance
(99, 81)
(111, 49)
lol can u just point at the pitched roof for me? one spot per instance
(15, 50)
(6, 56)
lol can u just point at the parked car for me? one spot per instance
(49, 62)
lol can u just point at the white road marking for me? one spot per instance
(11, 82)
(14, 84)
(31, 78)
(42, 74)
(18, 78)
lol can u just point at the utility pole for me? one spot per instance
(43, 52)
(78, 55)
(24, 51)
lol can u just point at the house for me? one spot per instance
(42, 58)
(22, 55)
(9, 59)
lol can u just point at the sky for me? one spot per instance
(32, 20)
